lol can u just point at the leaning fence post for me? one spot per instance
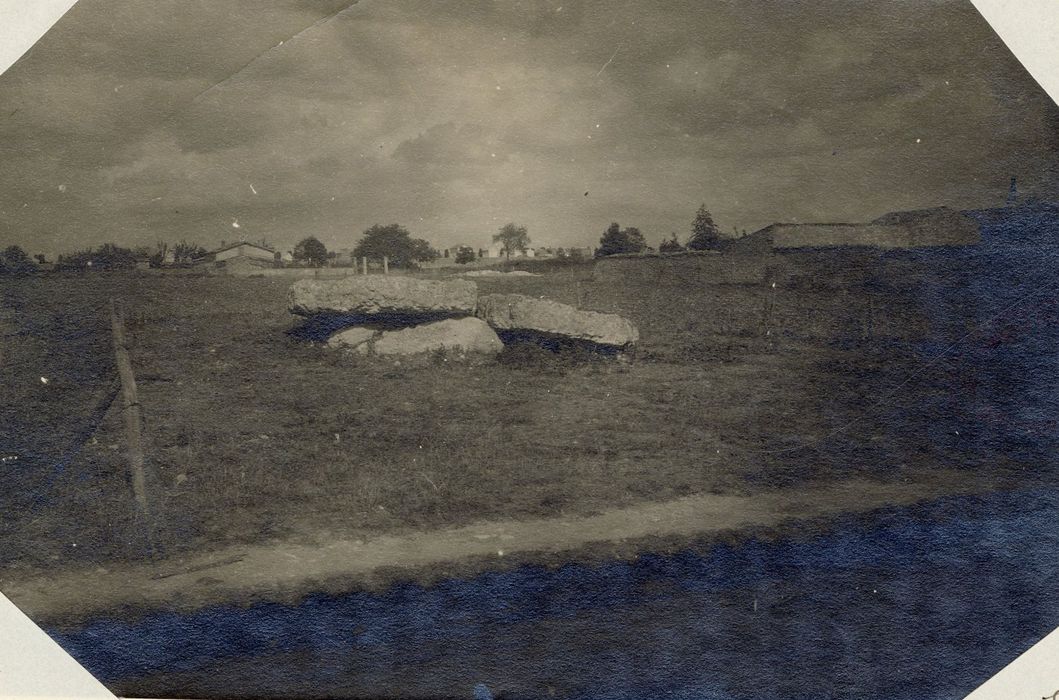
(131, 410)
(769, 305)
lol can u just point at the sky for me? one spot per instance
(222, 120)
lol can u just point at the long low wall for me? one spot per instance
(294, 272)
(813, 296)
(451, 264)
(690, 268)
(340, 272)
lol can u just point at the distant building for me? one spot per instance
(788, 236)
(241, 254)
(585, 253)
(343, 258)
(446, 258)
(939, 226)
(909, 229)
(497, 252)
(241, 249)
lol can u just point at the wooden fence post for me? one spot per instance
(769, 305)
(131, 410)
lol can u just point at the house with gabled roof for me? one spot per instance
(905, 229)
(239, 253)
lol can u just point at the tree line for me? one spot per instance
(392, 241)
(705, 235)
(395, 243)
(108, 256)
(15, 261)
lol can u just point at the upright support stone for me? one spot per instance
(364, 264)
(464, 336)
(386, 264)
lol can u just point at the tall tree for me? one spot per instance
(15, 260)
(422, 251)
(394, 242)
(616, 240)
(512, 238)
(704, 233)
(636, 239)
(312, 251)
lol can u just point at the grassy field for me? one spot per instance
(251, 434)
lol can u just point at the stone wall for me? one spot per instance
(294, 272)
(689, 268)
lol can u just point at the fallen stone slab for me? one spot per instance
(516, 312)
(464, 336)
(373, 295)
(351, 337)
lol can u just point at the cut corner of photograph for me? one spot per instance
(32, 665)
(502, 349)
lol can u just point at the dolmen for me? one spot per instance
(392, 315)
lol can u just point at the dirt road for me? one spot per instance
(285, 570)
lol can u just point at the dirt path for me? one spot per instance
(283, 571)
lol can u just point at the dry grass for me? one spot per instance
(251, 434)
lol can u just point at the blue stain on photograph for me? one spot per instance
(923, 602)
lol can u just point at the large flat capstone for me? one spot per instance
(516, 312)
(369, 295)
(464, 336)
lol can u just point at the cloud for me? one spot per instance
(453, 117)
